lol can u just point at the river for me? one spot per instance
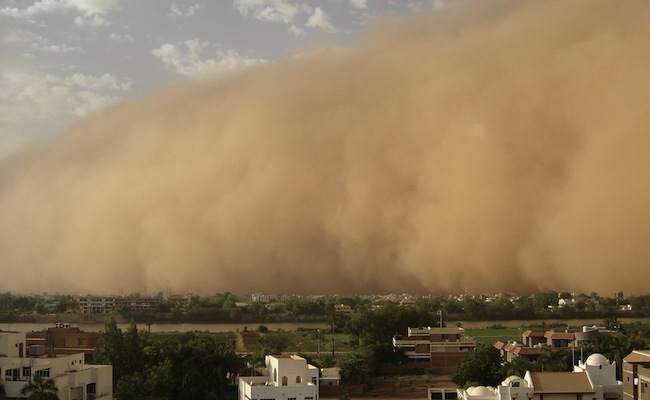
(160, 328)
(289, 326)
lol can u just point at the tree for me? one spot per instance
(555, 360)
(111, 350)
(355, 370)
(133, 351)
(130, 387)
(483, 367)
(41, 389)
(612, 323)
(517, 367)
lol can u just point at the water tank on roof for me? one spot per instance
(35, 350)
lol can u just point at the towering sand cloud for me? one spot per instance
(493, 145)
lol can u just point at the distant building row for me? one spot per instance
(533, 343)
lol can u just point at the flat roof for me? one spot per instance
(561, 382)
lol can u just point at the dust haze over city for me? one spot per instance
(473, 146)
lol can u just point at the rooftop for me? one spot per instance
(560, 335)
(530, 333)
(638, 356)
(561, 382)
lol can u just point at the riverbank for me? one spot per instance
(92, 326)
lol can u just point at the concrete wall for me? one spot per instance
(283, 392)
(10, 344)
(295, 370)
(561, 397)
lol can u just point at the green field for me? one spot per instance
(491, 335)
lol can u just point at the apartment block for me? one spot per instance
(74, 379)
(443, 348)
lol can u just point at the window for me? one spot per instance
(44, 373)
(451, 395)
(298, 380)
(285, 381)
(515, 384)
(12, 374)
(309, 398)
(291, 398)
(275, 375)
(91, 388)
(436, 395)
(27, 371)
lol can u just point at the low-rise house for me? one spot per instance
(532, 338)
(590, 334)
(443, 348)
(595, 379)
(557, 340)
(510, 351)
(74, 379)
(284, 378)
(636, 375)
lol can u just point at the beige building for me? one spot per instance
(74, 379)
(443, 348)
(636, 375)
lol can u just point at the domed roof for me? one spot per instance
(597, 359)
(480, 391)
(512, 379)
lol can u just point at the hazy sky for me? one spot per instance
(61, 59)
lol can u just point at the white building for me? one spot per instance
(594, 379)
(74, 379)
(285, 378)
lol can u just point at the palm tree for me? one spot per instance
(554, 360)
(41, 389)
